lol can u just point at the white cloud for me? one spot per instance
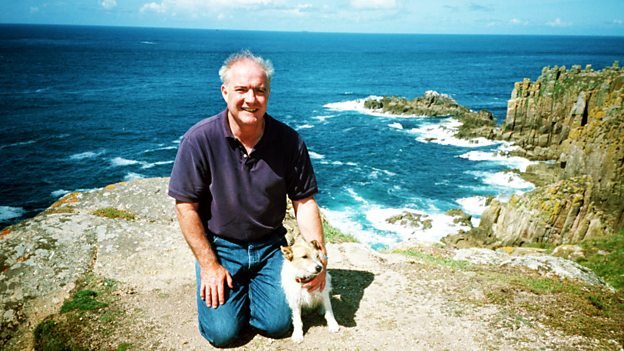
(154, 7)
(373, 4)
(108, 4)
(557, 22)
(518, 22)
(196, 6)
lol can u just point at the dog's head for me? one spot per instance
(305, 259)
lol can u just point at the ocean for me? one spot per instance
(83, 107)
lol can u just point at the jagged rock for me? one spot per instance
(411, 219)
(575, 118)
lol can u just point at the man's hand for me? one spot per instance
(212, 288)
(318, 283)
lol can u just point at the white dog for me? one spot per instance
(302, 264)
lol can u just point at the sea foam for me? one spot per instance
(474, 205)
(8, 212)
(500, 157)
(85, 155)
(444, 133)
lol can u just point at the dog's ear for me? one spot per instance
(287, 252)
(315, 244)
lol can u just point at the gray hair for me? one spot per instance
(267, 66)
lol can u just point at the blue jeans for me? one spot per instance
(257, 298)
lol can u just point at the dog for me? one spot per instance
(301, 265)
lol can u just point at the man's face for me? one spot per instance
(246, 93)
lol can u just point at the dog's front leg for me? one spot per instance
(297, 335)
(329, 314)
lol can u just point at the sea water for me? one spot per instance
(83, 107)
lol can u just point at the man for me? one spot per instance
(230, 180)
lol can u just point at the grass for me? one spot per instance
(433, 259)
(606, 258)
(569, 306)
(333, 235)
(113, 213)
(86, 320)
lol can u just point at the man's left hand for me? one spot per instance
(318, 283)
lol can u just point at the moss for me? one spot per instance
(113, 213)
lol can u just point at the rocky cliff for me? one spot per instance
(575, 118)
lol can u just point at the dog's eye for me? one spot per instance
(304, 256)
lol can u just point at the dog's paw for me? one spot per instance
(297, 337)
(333, 327)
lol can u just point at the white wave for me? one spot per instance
(8, 212)
(323, 118)
(500, 157)
(474, 205)
(85, 155)
(444, 133)
(147, 42)
(506, 180)
(146, 165)
(59, 193)
(20, 143)
(120, 162)
(441, 224)
(305, 126)
(343, 221)
(356, 196)
(133, 176)
(395, 125)
(315, 156)
(161, 148)
(358, 106)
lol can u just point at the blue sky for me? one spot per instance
(557, 17)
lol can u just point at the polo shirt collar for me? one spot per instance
(227, 132)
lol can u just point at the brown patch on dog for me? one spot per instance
(287, 252)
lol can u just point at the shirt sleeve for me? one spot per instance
(190, 176)
(301, 182)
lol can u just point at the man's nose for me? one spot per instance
(250, 95)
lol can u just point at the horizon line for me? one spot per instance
(303, 31)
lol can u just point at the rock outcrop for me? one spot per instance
(576, 118)
(433, 104)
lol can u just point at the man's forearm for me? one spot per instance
(309, 220)
(194, 233)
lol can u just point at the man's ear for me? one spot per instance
(224, 92)
(287, 252)
(316, 244)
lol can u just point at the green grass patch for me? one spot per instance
(113, 213)
(87, 320)
(333, 235)
(437, 260)
(569, 306)
(606, 258)
(83, 300)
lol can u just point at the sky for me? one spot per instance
(526, 17)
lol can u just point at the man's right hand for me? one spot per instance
(213, 280)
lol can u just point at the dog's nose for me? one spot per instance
(319, 268)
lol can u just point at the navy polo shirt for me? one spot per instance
(241, 196)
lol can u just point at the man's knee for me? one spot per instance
(277, 326)
(220, 335)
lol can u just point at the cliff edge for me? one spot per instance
(109, 270)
